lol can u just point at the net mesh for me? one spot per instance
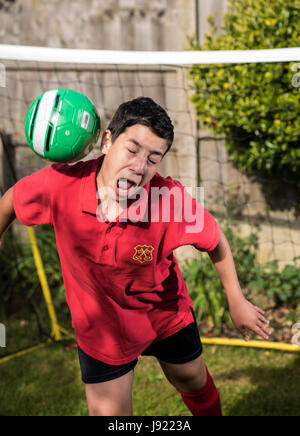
(264, 206)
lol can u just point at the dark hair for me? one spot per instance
(145, 111)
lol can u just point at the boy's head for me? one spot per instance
(144, 111)
(137, 138)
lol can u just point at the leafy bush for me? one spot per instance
(283, 287)
(20, 290)
(206, 289)
(256, 106)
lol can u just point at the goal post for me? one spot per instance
(56, 330)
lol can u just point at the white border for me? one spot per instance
(62, 55)
(42, 121)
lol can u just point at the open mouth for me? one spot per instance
(124, 186)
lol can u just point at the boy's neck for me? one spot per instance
(111, 208)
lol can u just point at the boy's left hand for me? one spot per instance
(246, 316)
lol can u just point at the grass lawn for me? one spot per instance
(251, 383)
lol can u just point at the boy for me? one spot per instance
(125, 291)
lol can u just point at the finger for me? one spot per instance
(264, 329)
(262, 332)
(263, 319)
(261, 311)
(267, 331)
(245, 334)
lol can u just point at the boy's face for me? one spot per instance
(131, 160)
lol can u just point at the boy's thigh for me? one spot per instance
(180, 356)
(111, 398)
(108, 387)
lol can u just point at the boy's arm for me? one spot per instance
(7, 212)
(244, 315)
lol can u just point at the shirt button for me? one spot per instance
(105, 248)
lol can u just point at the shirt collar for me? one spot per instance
(136, 211)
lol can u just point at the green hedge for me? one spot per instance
(256, 106)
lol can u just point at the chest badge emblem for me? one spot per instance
(143, 253)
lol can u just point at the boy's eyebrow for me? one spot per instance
(135, 142)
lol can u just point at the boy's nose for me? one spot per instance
(139, 166)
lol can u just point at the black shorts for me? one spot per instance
(182, 347)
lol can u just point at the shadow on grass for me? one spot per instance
(273, 391)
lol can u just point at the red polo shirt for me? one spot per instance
(122, 281)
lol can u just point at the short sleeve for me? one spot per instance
(191, 224)
(31, 198)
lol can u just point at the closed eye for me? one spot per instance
(149, 160)
(153, 163)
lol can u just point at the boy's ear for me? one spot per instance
(106, 141)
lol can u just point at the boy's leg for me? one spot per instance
(188, 377)
(108, 387)
(195, 385)
(111, 398)
(180, 358)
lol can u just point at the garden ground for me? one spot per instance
(251, 383)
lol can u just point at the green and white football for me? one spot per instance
(62, 125)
